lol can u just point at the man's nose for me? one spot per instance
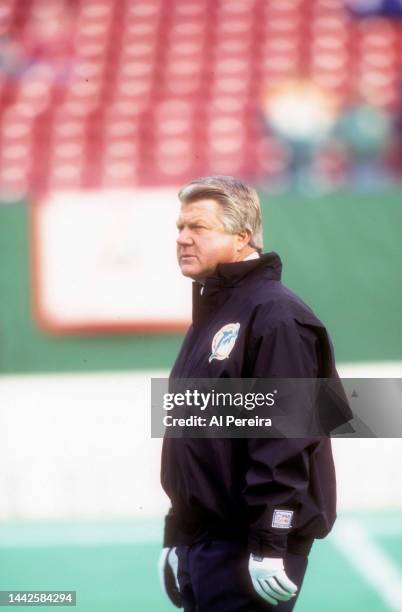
(184, 237)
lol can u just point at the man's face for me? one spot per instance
(202, 242)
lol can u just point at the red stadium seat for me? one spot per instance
(155, 92)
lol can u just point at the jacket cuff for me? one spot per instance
(170, 535)
(268, 545)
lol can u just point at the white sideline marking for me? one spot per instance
(370, 369)
(370, 561)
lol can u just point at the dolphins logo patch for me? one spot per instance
(223, 341)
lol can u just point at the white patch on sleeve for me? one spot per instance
(282, 519)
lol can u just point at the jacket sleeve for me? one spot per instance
(277, 476)
(170, 534)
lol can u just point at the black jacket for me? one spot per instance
(230, 488)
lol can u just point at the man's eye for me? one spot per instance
(191, 227)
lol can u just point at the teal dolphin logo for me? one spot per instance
(224, 341)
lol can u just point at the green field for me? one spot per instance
(112, 567)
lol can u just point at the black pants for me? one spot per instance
(213, 577)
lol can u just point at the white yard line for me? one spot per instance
(370, 561)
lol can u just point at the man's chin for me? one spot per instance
(190, 271)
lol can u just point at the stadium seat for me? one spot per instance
(150, 92)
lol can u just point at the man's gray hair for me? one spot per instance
(240, 204)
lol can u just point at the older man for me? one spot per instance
(245, 512)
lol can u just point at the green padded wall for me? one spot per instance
(341, 254)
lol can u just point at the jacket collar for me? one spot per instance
(237, 273)
(268, 267)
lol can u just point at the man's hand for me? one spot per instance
(270, 580)
(167, 565)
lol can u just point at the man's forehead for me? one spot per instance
(200, 209)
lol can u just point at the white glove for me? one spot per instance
(168, 566)
(270, 580)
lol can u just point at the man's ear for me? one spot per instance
(243, 238)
